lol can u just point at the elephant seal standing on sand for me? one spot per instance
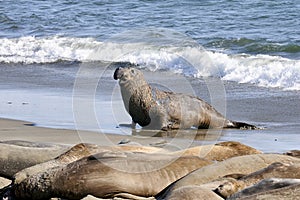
(156, 109)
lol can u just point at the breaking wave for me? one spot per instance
(187, 58)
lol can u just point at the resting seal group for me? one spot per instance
(156, 109)
(139, 172)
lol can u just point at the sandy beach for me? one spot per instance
(173, 140)
(49, 97)
(22, 130)
(84, 108)
(25, 135)
(61, 109)
(66, 106)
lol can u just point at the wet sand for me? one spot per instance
(47, 96)
(173, 140)
(22, 130)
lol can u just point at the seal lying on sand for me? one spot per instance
(77, 152)
(240, 165)
(275, 170)
(107, 175)
(217, 152)
(156, 109)
(17, 155)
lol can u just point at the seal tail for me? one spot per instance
(241, 125)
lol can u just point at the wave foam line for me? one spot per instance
(30, 49)
(261, 70)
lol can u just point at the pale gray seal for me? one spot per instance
(156, 109)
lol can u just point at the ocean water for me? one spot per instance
(251, 47)
(249, 42)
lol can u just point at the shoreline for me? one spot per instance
(22, 130)
(12, 129)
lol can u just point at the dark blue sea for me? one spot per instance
(247, 51)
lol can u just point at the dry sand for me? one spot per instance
(22, 130)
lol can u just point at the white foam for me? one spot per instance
(45, 50)
(261, 70)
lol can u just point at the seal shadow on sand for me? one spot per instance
(195, 134)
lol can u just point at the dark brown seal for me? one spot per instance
(156, 109)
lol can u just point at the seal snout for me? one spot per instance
(117, 74)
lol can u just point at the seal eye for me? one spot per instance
(133, 71)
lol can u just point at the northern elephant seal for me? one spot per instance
(156, 109)
(266, 186)
(237, 165)
(105, 175)
(194, 192)
(17, 155)
(275, 170)
(295, 153)
(77, 152)
(220, 151)
(291, 192)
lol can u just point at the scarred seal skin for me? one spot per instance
(107, 175)
(217, 152)
(247, 166)
(156, 109)
(16, 155)
(286, 174)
